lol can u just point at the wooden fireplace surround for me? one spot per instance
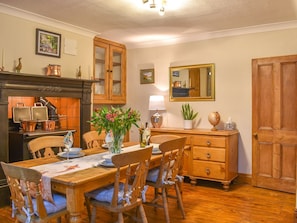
(16, 84)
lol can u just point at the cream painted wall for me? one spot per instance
(18, 40)
(232, 57)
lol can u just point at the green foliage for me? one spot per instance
(118, 120)
(188, 112)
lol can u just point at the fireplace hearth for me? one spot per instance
(30, 85)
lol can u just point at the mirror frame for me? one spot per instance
(211, 66)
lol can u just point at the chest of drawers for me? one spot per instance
(212, 155)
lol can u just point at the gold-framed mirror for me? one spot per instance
(192, 83)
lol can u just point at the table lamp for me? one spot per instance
(156, 103)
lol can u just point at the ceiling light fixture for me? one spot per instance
(156, 4)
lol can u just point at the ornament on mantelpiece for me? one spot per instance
(19, 66)
(214, 119)
(2, 65)
(78, 75)
(54, 70)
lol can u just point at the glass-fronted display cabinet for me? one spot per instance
(109, 72)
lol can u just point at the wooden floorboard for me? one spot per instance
(208, 202)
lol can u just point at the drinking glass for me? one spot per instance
(68, 142)
(109, 140)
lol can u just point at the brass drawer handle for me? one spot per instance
(208, 156)
(208, 143)
(207, 171)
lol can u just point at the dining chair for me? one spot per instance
(93, 140)
(46, 146)
(166, 176)
(158, 139)
(128, 189)
(28, 204)
(162, 138)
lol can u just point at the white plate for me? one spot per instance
(156, 151)
(108, 157)
(106, 164)
(64, 155)
(105, 146)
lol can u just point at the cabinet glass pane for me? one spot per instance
(117, 75)
(100, 70)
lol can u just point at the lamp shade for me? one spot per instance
(157, 103)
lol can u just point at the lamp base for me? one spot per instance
(157, 120)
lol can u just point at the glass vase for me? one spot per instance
(116, 145)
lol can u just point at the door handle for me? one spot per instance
(255, 135)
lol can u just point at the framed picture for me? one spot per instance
(147, 76)
(175, 73)
(48, 43)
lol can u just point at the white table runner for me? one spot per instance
(76, 164)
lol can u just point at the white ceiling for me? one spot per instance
(128, 22)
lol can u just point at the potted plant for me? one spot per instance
(189, 115)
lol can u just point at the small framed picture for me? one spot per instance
(48, 43)
(147, 76)
(175, 73)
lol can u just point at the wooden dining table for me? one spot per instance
(75, 184)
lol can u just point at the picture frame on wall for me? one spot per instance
(147, 76)
(48, 43)
(175, 73)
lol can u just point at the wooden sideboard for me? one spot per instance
(211, 155)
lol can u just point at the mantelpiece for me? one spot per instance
(16, 84)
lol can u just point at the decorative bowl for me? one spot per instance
(107, 158)
(74, 151)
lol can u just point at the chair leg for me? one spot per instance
(156, 193)
(120, 218)
(179, 199)
(93, 215)
(165, 205)
(156, 196)
(87, 204)
(142, 214)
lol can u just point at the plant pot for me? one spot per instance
(188, 124)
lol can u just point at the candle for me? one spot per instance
(3, 55)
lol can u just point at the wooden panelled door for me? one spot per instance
(274, 127)
(194, 76)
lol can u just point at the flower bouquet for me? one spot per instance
(116, 120)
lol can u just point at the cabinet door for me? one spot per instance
(101, 71)
(117, 84)
(109, 72)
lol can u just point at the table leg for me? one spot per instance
(75, 218)
(75, 204)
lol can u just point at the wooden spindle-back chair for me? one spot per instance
(125, 193)
(28, 204)
(167, 176)
(46, 146)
